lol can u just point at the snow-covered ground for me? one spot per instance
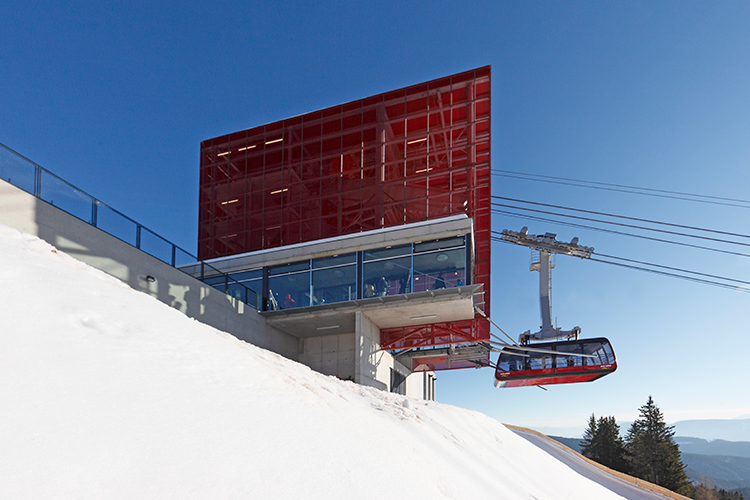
(107, 393)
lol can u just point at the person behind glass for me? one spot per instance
(403, 283)
(382, 287)
(289, 302)
(439, 282)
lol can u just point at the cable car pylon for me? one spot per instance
(546, 244)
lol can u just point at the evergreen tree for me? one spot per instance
(603, 444)
(589, 435)
(652, 453)
(611, 448)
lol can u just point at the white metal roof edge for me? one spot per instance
(455, 224)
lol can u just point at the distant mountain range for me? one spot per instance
(737, 429)
(717, 447)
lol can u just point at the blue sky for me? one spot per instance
(116, 99)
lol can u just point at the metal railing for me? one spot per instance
(40, 182)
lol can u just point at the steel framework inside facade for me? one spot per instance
(413, 154)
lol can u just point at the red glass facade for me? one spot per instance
(413, 154)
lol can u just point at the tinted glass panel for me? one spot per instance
(289, 291)
(337, 260)
(387, 252)
(565, 357)
(427, 246)
(334, 284)
(387, 277)
(598, 349)
(288, 268)
(440, 269)
(247, 275)
(510, 362)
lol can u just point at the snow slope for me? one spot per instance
(107, 393)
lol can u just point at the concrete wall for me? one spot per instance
(20, 210)
(373, 366)
(329, 354)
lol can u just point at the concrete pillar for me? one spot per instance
(367, 355)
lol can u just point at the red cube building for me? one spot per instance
(413, 155)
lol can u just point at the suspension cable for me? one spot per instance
(633, 226)
(637, 219)
(612, 231)
(621, 188)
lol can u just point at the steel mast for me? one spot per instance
(546, 245)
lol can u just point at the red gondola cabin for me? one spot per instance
(555, 363)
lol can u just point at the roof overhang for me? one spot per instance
(410, 309)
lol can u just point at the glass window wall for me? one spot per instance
(334, 279)
(387, 271)
(289, 286)
(439, 264)
(393, 270)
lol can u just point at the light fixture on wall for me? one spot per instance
(441, 257)
(149, 279)
(332, 327)
(426, 316)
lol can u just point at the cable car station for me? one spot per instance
(354, 239)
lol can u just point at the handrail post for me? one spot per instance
(94, 211)
(138, 236)
(174, 255)
(37, 181)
